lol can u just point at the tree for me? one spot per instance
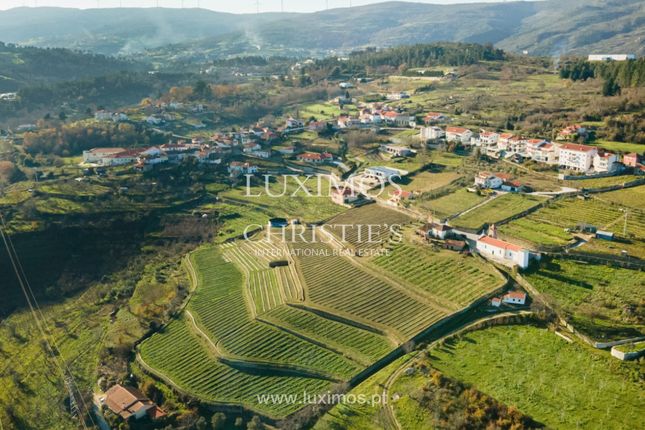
(201, 90)
(610, 87)
(218, 421)
(201, 424)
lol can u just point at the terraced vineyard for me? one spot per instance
(358, 220)
(334, 282)
(436, 272)
(568, 213)
(178, 356)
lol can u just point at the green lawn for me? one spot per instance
(498, 209)
(535, 233)
(601, 301)
(620, 146)
(560, 384)
(633, 197)
(451, 204)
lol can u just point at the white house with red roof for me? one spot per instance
(433, 117)
(488, 180)
(514, 298)
(100, 155)
(458, 134)
(605, 162)
(503, 252)
(488, 138)
(577, 157)
(344, 195)
(570, 132)
(542, 151)
(503, 140)
(314, 157)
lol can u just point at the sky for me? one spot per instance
(235, 6)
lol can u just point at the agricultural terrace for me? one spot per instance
(181, 358)
(560, 384)
(533, 233)
(601, 301)
(633, 197)
(618, 247)
(359, 219)
(450, 204)
(497, 210)
(454, 279)
(567, 213)
(221, 308)
(335, 283)
(293, 202)
(609, 181)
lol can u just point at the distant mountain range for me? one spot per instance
(549, 27)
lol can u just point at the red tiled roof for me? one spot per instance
(500, 244)
(516, 295)
(577, 147)
(457, 130)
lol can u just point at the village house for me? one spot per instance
(239, 168)
(397, 96)
(293, 125)
(154, 120)
(346, 121)
(455, 245)
(432, 132)
(261, 153)
(317, 126)
(488, 180)
(542, 151)
(514, 298)
(434, 117)
(315, 157)
(488, 138)
(605, 162)
(571, 132)
(458, 134)
(399, 196)
(511, 186)
(516, 145)
(611, 57)
(397, 150)
(250, 147)
(398, 119)
(576, 157)
(343, 196)
(631, 159)
(129, 402)
(503, 140)
(435, 230)
(503, 252)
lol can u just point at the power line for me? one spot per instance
(41, 324)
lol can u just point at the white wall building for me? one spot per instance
(611, 57)
(577, 157)
(503, 252)
(605, 162)
(458, 134)
(432, 132)
(488, 180)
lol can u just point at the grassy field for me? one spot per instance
(560, 384)
(601, 301)
(496, 210)
(429, 181)
(634, 247)
(436, 272)
(620, 146)
(450, 204)
(532, 233)
(600, 182)
(633, 197)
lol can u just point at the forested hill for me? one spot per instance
(22, 66)
(549, 27)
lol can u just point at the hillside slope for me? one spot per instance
(547, 27)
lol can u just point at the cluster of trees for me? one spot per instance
(73, 139)
(616, 74)
(404, 57)
(455, 405)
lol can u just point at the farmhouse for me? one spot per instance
(293, 124)
(397, 150)
(128, 402)
(455, 245)
(343, 196)
(488, 180)
(577, 157)
(314, 157)
(504, 252)
(398, 196)
(438, 231)
(433, 117)
(542, 151)
(458, 134)
(514, 298)
(238, 168)
(398, 119)
(432, 132)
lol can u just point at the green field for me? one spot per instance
(451, 204)
(497, 210)
(532, 233)
(600, 301)
(436, 272)
(601, 182)
(624, 147)
(560, 384)
(429, 181)
(633, 197)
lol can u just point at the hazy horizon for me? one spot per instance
(242, 6)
